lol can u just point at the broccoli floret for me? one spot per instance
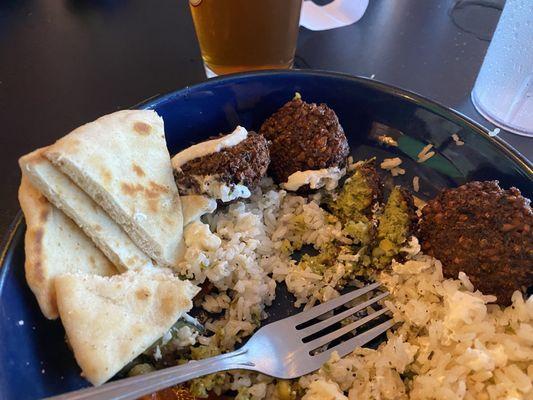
(322, 261)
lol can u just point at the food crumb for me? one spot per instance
(419, 204)
(416, 183)
(157, 353)
(457, 140)
(494, 132)
(393, 165)
(21, 322)
(352, 166)
(387, 140)
(397, 171)
(425, 154)
(390, 163)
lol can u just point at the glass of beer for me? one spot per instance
(243, 35)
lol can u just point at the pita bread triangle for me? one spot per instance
(54, 245)
(106, 234)
(122, 162)
(110, 321)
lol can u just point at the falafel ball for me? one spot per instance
(484, 231)
(242, 165)
(304, 136)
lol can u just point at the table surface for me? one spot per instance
(63, 63)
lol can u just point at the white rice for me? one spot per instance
(457, 140)
(425, 154)
(390, 163)
(449, 343)
(393, 165)
(416, 184)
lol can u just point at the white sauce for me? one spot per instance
(316, 179)
(229, 193)
(198, 235)
(412, 247)
(209, 147)
(216, 189)
(185, 336)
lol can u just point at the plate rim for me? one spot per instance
(18, 223)
(410, 96)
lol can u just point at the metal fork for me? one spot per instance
(283, 349)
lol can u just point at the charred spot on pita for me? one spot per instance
(142, 128)
(138, 170)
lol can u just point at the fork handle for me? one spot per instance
(137, 386)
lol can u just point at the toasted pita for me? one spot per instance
(54, 245)
(108, 236)
(194, 206)
(122, 162)
(110, 321)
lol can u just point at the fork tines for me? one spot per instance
(335, 332)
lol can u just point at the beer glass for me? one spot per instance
(243, 35)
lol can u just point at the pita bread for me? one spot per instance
(74, 202)
(194, 206)
(122, 162)
(54, 245)
(110, 321)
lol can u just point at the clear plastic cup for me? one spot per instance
(503, 92)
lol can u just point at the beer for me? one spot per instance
(241, 35)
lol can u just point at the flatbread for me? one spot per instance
(110, 321)
(108, 236)
(122, 162)
(54, 245)
(194, 206)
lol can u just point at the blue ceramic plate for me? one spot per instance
(34, 359)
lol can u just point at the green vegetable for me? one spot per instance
(284, 390)
(201, 352)
(141, 369)
(354, 201)
(361, 232)
(322, 261)
(393, 229)
(200, 387)
(355, 197)
(243, 394)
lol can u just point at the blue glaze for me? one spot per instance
(194, 113)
